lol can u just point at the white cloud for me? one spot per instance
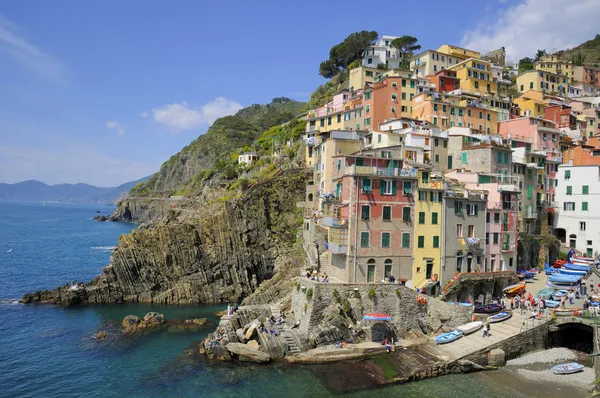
(537, 24)
(144, 114)
(181, 116)
(27, 54)
(69, 164)
(114, 125)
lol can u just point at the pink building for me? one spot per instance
(542, 134)
(501, 219)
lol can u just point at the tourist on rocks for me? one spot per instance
(262, 328)
(388, 348)
(273, 332)
(228, 309)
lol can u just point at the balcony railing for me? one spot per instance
(530, 216)
(379, 171)
(432, 185)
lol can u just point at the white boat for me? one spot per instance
(567, 368)
(470, 327)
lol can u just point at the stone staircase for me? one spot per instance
(326, 266)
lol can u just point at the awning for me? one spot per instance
(377, 317)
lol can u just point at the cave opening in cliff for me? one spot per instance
(576, 336)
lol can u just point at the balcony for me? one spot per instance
(531, 216)
(380, 171)
(334, 222)
(508, 187)
(431, 185)
(337, 241)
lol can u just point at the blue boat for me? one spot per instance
(564, 285)
(564, 278)
(546, 293)
(552, 303)
(567, 368)
(577, 267)
(500, 317)
(560, 294)
(526, 274)
(571, 272)
(448, 337)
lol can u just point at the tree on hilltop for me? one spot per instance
(343, 54)
(539, 54)
(525, 64)
(406, 46)
(578, 59)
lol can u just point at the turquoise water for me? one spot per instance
(48, 351)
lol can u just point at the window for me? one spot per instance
(522, 89)
(476, 84)
(437, 158)
(436, 142)
(403, 83)
(459, 230)
(567, 174)
(388, 187)
(436, 242)
(407, 188)
(367, 121)
(371, 271)
(405, 240)
(367, 108)
(472, 209)
(425, 177)
(506, 158)
(364, 239)
(445, 144)
(366, 184)
(582, 226)
(469, 112)
(487, 218)
(487, 238)
(412, 84)
(569, 190)
(435, 107)
(496, 218)
(481, 115)
(569, 206)
(495, 241)
(435, 120)
(406, 214)
(394, 96)
(585, 189)
(421, 217)
(403, 96)
(394, 84)
(329, 121)
(499, 157)
(471, 231)
(443, 108)
(387, 213)
(421, 242)
(387, 268)
(458, 207)
(369, 73)
(464, 157)
(385, 239)
(584, 206)
(365, 212)
(434, 218)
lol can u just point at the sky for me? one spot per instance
(103, 92)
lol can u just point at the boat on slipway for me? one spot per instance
(515, 289)
(564, 278)
(500, 317)
(470, 327)
(577, 267)
(546, 293)
(567, 368)
(571, 272)
(487, 308)
(448, 337)
(559, 294)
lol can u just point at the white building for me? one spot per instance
(577, 220)
(382, 53)
(247, 157)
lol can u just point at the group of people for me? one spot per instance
(272, 322)
(314, 276)
(389, 344)
(525, 303)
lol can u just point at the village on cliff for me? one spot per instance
(446, 184)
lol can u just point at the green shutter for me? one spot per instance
(569, 190)
(360, 162)
(385, 239)
(499, 157)
(421, 242)
(484, 179)
(364, 239)
(464, 157)
(436, 242)
(586, 189)
(476, 209)
(406, 214)
(529, 191)
(584, 206)
(506, 158)
(495, 238)
(405, 240)
(382, 186)
(387, 213)
(434, 218)
(393, 187)
(421, 217)
(567, 173)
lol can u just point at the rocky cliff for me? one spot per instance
(194, 257)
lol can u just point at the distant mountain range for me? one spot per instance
(37, 191)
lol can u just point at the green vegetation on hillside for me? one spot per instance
(213, 156)
(586, 53)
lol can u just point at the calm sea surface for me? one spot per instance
(48, 351)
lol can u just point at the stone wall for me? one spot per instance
(332, 301)
(469, 286)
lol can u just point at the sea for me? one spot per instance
(50, 351)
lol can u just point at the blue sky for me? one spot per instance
(103, 92)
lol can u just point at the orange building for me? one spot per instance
(386, 100)
(584, 155)
(439, 109)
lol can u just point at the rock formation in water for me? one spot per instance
(221, 257)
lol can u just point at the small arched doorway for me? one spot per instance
(310, 197)
(380, 331)
(387, 268)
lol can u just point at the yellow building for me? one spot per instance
(362, 75)
(427, 231)
(555, 65)
(333, 143)
(531, 103)
(546, 82)
(458, 52)
(476, 76)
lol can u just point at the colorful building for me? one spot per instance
(444, 81)
(387, 100)
(361, 76)
(370, 225)
(547, 82)
(475, 76)
(428, 232)
(541, 133)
